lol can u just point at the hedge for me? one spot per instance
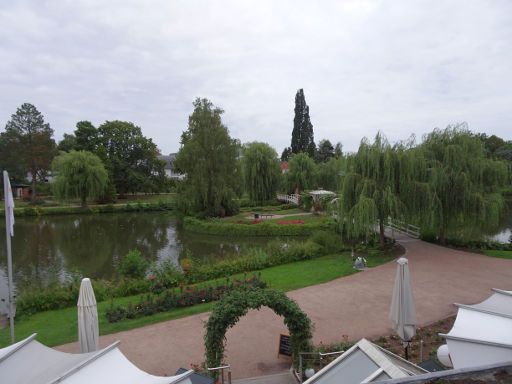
(471, 244)
(172, 298)
(109, 208)
(221, 228)
(276, 253)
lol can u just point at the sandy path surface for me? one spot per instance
(356, 306)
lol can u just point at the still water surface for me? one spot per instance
(53, 248)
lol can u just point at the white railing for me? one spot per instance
(403, 227)
(290, 199)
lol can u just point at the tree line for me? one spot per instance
(93, 162)
(451, 178)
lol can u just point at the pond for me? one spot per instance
(54, 248)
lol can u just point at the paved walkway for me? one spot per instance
(276, 216)
(356, 306)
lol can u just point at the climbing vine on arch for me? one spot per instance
(236, 304)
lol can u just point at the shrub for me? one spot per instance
(166, 275)
(265, 228)
(330, 241)
(170, 299)
(133, 265)
(470, 244)
(41, 211)
(306, 201)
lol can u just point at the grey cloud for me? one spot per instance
(401, 67)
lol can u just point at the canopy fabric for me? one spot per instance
(482, 332)
(88, 329)
(30, 362)
(402, 312)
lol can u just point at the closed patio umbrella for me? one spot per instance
(88, 331)
(402, 312)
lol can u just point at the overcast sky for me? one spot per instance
(401, 67)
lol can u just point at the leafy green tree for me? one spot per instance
(79, 175)
(130, 157)
(302, 172)
(10, 157)
(209, 159)
(87, 137)
(338, 150)
(68, 143)
(371, 189)
(261, 171)
(325, 151)
(302, 135)
(286, 154)
(505, 151)
(32, 143)
(329, 174)
(462, 185)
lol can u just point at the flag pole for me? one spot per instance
(7, 190)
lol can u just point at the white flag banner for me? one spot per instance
(9, 204)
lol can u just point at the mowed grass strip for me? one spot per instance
(60, 326)
(500, 254)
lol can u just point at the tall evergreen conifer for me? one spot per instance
(302, 135)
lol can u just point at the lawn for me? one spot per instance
(49, 201)
(60, 326)
(287, 214)
(500, 254)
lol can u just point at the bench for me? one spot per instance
(263, 215)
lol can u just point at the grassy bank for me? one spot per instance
(131, 204)
(498, 253)
(244, 227)
(60, 326)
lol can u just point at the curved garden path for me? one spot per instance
(356, 306)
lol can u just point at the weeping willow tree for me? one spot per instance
(458, 185)
(371, 189)
(79, 175)
(302, 173)
(261, 171)
(209, 158)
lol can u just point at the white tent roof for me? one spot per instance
(482, 332)
(29, 361)
(365, 362)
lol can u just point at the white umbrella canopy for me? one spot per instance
(403, 312)
(88, 330)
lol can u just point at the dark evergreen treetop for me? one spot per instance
(325, 151)
(287, 153)
(302, 135)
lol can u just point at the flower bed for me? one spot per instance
(264, 228)
(170, 299)
(286, 222)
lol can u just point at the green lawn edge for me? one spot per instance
(498, 253)
(60, 326)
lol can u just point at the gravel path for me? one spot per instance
(356, 306)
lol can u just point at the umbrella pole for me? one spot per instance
(406, 350)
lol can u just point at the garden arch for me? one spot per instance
(236, 304)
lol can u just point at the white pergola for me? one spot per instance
(318, 194)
